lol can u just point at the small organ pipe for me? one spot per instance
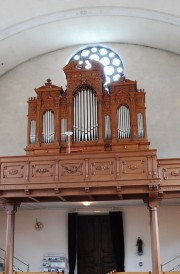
(107, 122)
(89, 117)
(140, 125)
(52, 125)
(82, 116)
(123, 117)
(77, 119)
(79, 124)
(85, 114)
(63, 129)
(96, 119)
(33, 132)
(91, 110)
(48, 127)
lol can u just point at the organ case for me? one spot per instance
(100, 118)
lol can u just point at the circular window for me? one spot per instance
(113, 66)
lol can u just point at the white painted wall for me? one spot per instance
(31, 245)
(156, 71)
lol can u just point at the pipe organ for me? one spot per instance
(99, 120)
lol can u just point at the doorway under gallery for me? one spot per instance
(95, 243)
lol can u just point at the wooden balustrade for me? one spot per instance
(70, 177)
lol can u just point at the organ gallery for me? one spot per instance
(87, 141)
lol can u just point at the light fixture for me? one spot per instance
(86, 203)
(38, 225)
(68, 134)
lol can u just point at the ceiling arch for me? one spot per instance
(91, 11)
(44, 28)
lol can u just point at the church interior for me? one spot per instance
(89, 143)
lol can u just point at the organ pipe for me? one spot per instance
(48, 127)
(85, 115)
(63, 129)
(123, 117)
(33, 132)
(107, 130)
(140, 125)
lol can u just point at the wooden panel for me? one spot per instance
(72, 170)
(13, 173)
(42, 171)
(102, 169)
(171, 172)
(133, 168)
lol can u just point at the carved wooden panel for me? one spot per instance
(171, 172)
(121, 89)
(134, 168)
(72, 170)
(33, 108)
(13, 173)
(140, 100)
(42, 171)
(102, 169)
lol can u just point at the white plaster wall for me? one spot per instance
(136, 224)
(31, 245)
(156, 71)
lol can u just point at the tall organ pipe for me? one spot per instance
(85, 115)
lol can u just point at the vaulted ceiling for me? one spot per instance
(34, 27)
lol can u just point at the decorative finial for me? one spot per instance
(48, 83)
(122, 78)
(48, 80)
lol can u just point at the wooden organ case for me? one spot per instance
(90, 141)
(98, 118)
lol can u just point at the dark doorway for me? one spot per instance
(94, 246)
